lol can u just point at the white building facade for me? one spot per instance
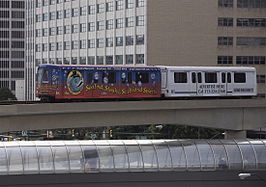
(84, 32)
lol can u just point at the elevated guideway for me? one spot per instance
(231, 114)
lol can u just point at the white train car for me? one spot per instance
(189, 81)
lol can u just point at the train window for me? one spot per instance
(109, 77)
(126, 77)
(180, 77)
(45, 76)
(193, 75)
(240, 77)
(223, 77)
(199, 78)
(142, 78)
(210, 77)
(229, 80)
(89, 77)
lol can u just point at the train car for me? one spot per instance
(57, 82)
(208, 81)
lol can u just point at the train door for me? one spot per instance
(222, 86)
(194, 84)
(199, 89)
(229, 84)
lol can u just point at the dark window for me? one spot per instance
(4, 44)
(199, 78)
(4, 54)
(244, 60)
(17, 64)
(4, 74)
(17, 44)
(4, 24)
(109, 77)
(17, 34)
(4, 14)
(225, 40)
(210, 77)
(223, 77)
(18, 24)
(17, 74)
(4, 4)
(225, 60)
(225, 3)
(17, 14)
(260, 78)
(4, 34)
(225, 22)
(142, 78)
(251, 41)
(17, 54)
(18, 4)
(180, 77)
(251, 4)
(229, 79)
(193, 75)
(239, 77)
(4, 64)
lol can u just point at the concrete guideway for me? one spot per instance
(231, 114)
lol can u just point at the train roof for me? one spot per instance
(101, 67)
(208, 68)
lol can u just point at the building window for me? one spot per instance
(140, 3)
(139, 58)
(140, 40)
(45, 16)
(45, 47)
(83, 11)
(100, 25)
(129, 59)
(91, 26)
(4, 34)
(250, 41)
(251, 22)
(225, 3)
(251, 60)
(52, 31)
(4, 24)
(52, 46)
(75, 28)
(109, 60)
(140, 21)
(129, 4)
(38, 17)
(119, 23)
(83, 44)
(17, 64)
(91, 43)
(91, 60)
(75, 44)
(67, 13)
(119, 5)
(60, 30)
(59, 61)
(19, 4)
(66, 60)
(118, 59)
(225, 60)
(82, 60)
(52, 15)
(67, 29)
(17, 74)
(59, 14)
(4, 54)
(67, 45)
(52, 2)
(59, 46)
(109, 42)
(99, 60)
(74, 60)
(225, 40)
(17, 24)
(251, 4)
(4, 64)
(100, 8)
(109, 6)
(109, 24)
(129, 40)
(17, 34)
(130, 22)
(260, 78)
(92, 9)
(4, 4)
(119, 41)
(17, 54)
(225, 22)
(38, 47)
(75, 12)
(45, 32)
(17, 44)
(100, 43)
(4, 44)
(17, 14)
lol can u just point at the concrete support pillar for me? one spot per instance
(235, 135)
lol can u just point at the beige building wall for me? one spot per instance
(185, 32)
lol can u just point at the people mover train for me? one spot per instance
(64, 82)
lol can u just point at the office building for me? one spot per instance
(12, 42)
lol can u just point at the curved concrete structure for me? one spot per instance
(231, 114)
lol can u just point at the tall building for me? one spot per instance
(146, 32)
(12, 42)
